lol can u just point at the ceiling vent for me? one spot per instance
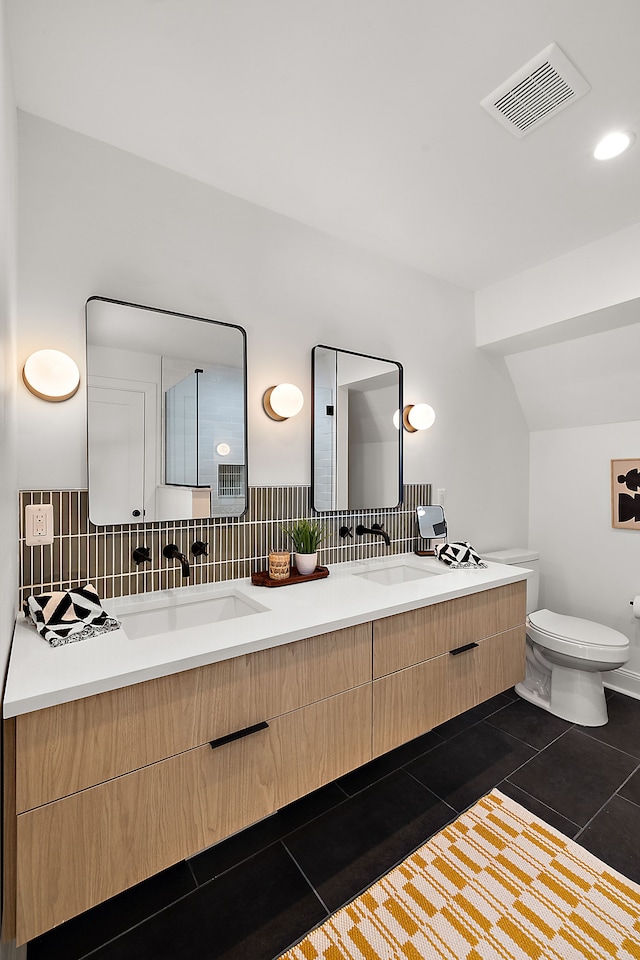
(536, 92)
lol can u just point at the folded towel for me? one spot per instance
(65, 616)
(458, 554)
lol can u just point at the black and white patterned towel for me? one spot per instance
(65, 616)
(458, 554)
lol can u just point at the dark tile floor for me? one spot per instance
(257, 893)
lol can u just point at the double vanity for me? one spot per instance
(214, 706)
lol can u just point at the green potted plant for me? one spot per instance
(305, 535)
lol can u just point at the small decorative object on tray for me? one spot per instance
(306, 536)
(279, 564)
(261, 578)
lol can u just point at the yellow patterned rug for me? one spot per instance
(496, 884)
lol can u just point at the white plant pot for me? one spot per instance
(305, 563)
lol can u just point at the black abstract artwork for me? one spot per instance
(625, 493)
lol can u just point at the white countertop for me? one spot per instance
(41, 676)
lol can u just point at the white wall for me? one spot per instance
(97, 221)
(570, 332)
(582, 382)
(8, 471)
(588, 568)
(8, 468)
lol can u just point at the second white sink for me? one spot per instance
(395, 573)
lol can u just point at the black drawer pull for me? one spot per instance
(238, 735)
(467, 646)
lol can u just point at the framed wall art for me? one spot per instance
(625, 494)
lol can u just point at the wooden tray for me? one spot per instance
(262, 579)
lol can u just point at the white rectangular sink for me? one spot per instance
(191, 612)
(395, 573)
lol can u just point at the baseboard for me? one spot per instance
(623, 681)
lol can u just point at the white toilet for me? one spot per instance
(566, 656)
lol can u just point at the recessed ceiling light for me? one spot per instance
(613, 144)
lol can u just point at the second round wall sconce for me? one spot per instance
(418, 416)
(283, 401)
(51, 375)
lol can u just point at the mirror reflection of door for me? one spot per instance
(357, 443)
(116, 464)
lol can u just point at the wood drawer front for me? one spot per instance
(69, 747)
(412, 701)
(409, 638)
(76, 852)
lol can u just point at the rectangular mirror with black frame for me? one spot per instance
(357, 431)
(166, 415)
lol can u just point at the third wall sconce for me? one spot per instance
(418, 416)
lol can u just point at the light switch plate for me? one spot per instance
(38, 524)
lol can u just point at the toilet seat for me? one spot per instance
(578, 638)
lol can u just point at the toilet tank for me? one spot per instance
(521, 557)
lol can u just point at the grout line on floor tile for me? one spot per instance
(626, 800)
(471, 725)
(193, 876)
(341, 788)
(532, 745)
(585, 732)
(307, 880)
(536, 800)
(624, 783)
(608, 800)
(140, 923)
(237, 863)
(388, 869)
(436, 795)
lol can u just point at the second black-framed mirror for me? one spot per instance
(356, 458)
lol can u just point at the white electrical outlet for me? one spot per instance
(440, 499)
(38, 524)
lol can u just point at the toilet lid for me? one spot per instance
(576, 630)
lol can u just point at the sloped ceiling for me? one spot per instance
(581, 382)
(361, 118)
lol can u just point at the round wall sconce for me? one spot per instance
(284, 401)
(418, 416)
(223, 449)
(51, 375)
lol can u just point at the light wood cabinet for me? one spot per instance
(78, 851)
(435, 662)
(426, 632)
(103, 792)
(66, 748)
(418, 698)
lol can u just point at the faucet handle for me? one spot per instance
(141, 555)
(346, 532)
(199, 548)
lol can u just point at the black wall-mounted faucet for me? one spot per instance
(376, 529)
(171, 552)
